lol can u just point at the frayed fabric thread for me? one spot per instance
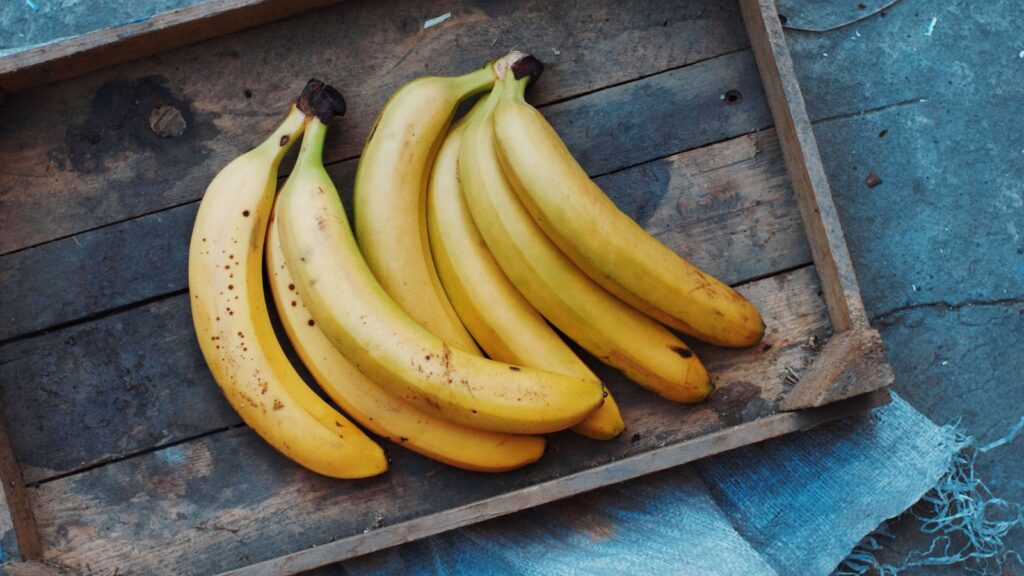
(968, 521)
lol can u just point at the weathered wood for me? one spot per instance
(16, 508)
(95, 272)
(80, 154)
(113, 386)
(824, 230)
(727, 207)
(32, 569)
(227, 500)
(852, 363)
(70, 57)
(583, 481)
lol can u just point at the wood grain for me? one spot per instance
(852, 363)
(32, 569)
(16, 507)
(814, 196)
(122, 383)
(227, 500)
(80, 154)
(70, 57)
(727, 207)
(585, 480)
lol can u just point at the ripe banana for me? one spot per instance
(601, 323)
(505, 325)
(623, 257)
(390, 197)
(389, 347)
(233, 326)
(382, 412)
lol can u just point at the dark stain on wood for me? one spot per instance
(117, 125)
(737, 402)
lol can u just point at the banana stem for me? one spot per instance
(474, 82)
(515, 88)
(491, 102)
(311, 153)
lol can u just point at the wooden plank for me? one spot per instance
(800, 149)
(16, 507)
(80, 154)
(538, 494)
(70, 57)
(727, 207)
(227, 500)
(122, 383)
(95, 272)
(852, 363)
(32, 569)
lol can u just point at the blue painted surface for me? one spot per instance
(174, 455)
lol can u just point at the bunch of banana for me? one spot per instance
(623, 258)
(472, 233)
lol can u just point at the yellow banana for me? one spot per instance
(601, 323)
(382, 412)
(389, 347)
(390, 197)
(623, 257)
(233, 325)
(505, 325)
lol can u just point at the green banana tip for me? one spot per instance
(321, 100)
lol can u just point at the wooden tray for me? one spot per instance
(120, 455)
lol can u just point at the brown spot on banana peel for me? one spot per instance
(682, 351)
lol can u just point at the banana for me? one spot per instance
(505, 325)
(390, 197)
(232, 323)
(623, 257)
(382, 412)
(602, 324)
(388, 346)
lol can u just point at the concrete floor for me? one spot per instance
(929, 95)
(934, 109)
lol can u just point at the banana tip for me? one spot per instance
(527, 66)
(521, 65)
(321, 100)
